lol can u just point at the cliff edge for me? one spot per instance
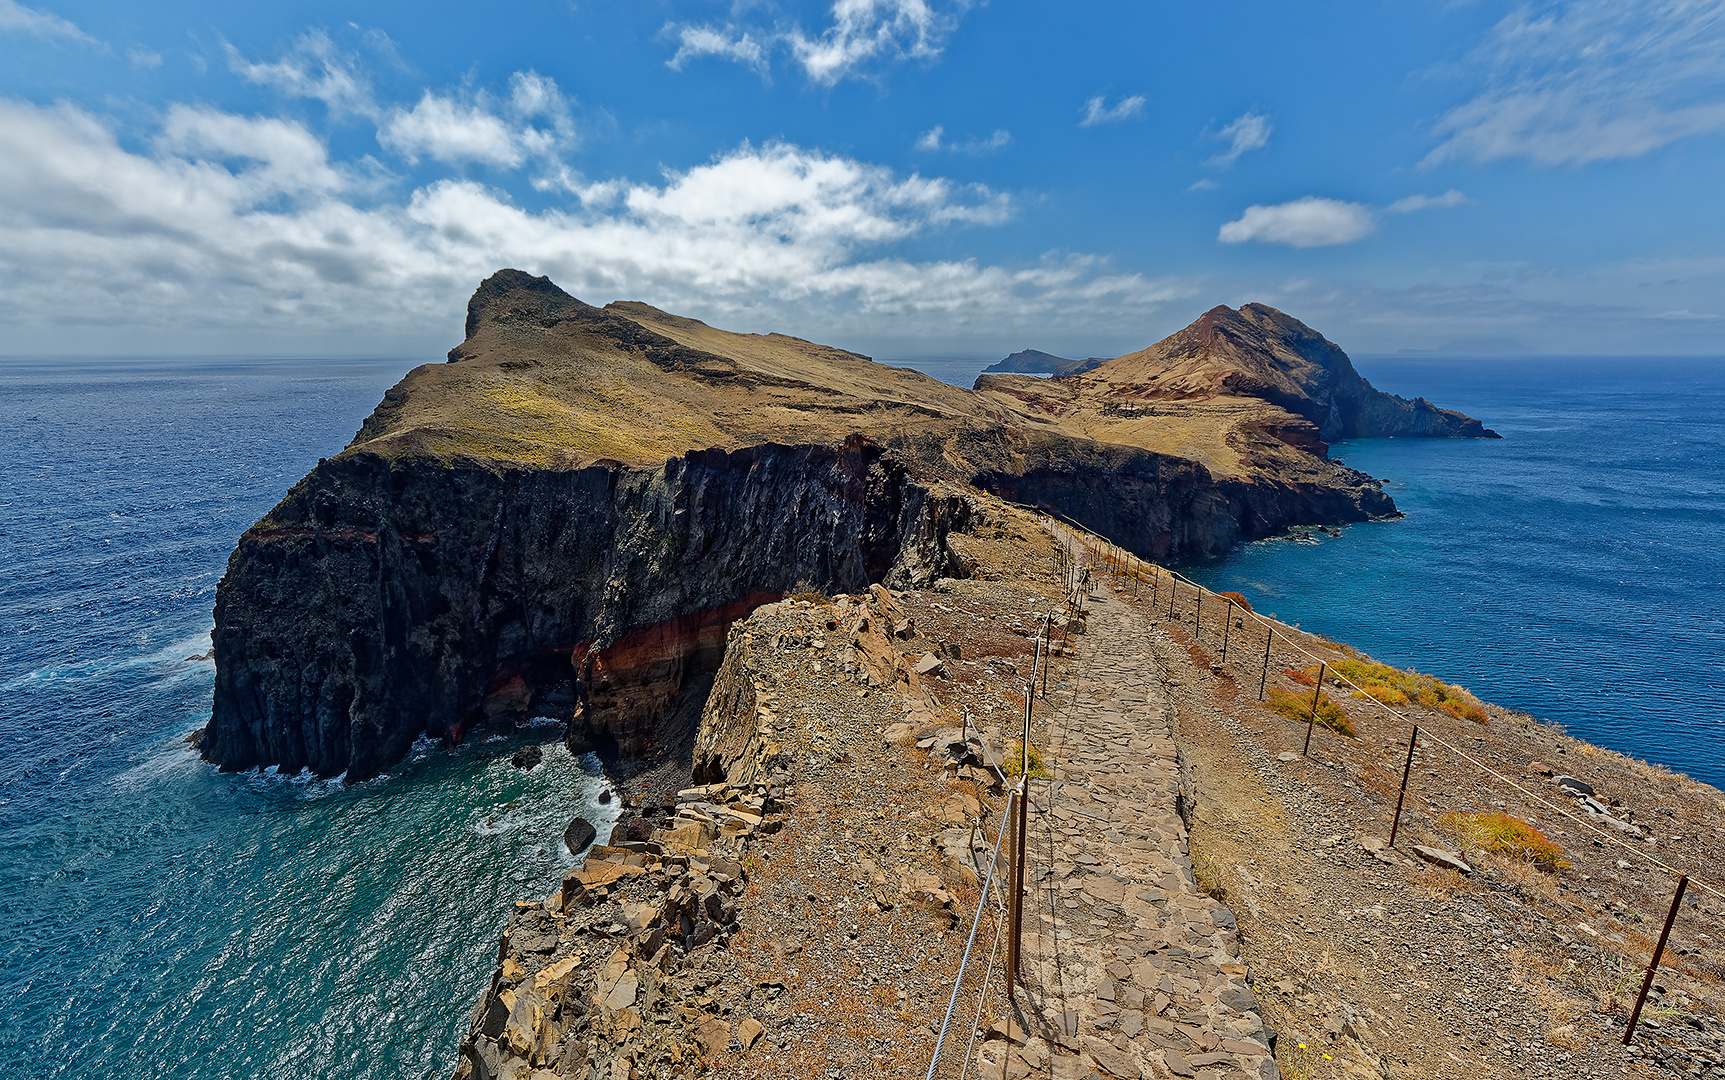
(564, 519)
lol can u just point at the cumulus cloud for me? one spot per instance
(1408, 205)
(861, 35)
(15, 18)
(1303, 223)
(935, 139)
(1097, 111)
(244, 229)
(538, 124)
(1568, 82)
(1248, 131)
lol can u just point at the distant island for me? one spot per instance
(1037, 362)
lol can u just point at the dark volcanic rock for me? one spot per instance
(386, 600)
(526, 530)
(578, 835)
(528, 757)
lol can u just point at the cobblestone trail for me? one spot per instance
(1129, 969)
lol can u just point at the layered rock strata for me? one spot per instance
(564, 518)
(384, 601)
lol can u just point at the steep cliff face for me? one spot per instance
(566, 517)
(385, 600)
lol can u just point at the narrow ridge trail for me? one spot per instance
(1129, 970)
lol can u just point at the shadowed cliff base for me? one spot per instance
(565, 518)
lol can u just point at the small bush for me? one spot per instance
(809, 594)
(1239, 600)
(1510, 836)
(1299, 707)
(1393, 686)
(1015, 761)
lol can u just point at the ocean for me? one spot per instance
(167, 920)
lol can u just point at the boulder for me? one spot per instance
(930, 664)
(578, 835)
(1449, 860)
(527, 757)
(1573, 786)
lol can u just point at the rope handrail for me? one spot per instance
(981, 903)
(1268, 624)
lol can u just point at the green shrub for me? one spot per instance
(1299, 707)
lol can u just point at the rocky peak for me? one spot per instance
(510, 293)
(1263, 353)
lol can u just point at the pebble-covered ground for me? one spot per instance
(1199, 892)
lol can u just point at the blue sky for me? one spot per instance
(900, 177)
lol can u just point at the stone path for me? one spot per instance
(1131, 970)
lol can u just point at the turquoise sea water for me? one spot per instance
(1573, 569)
(165, 920)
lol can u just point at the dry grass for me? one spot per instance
(1299, 707)
(1507, 835)
(1393, 686)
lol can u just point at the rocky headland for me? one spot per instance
(810, 591)
(565, 517)
(1037, 362)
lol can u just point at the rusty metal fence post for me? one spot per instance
(1016, 906)
(1317, 692)
(1270, 637)
(1227, 624)
(1658, 952)
(1407, 770)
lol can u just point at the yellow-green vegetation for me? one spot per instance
(1015, 761)
(1209, 880)
(1508, 835)
(1393, 686)
(1299, 707)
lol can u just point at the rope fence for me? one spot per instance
(1117, 562)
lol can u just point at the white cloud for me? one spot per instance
(738, 46)
(1096, 111)
(1318, 222)
(240, 231)
(861, 35)
(454, 131)
(1685, 315)
(15, 18)
(1575, 81)
(1206, 184)
(315, 67)
(1303, 223)
(1248, 131)
(1411, 203)
(933, 139)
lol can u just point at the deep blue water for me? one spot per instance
(163, 919)
(1573, 569)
